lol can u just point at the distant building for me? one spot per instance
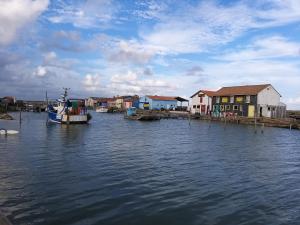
(10, 100)
(119, 102)
(159, 102)
(202, 102)
(92, 102)
(130, 101)
(250, 101)
(111, 103)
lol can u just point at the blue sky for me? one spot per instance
(105, 48)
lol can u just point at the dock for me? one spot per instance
(290, 123)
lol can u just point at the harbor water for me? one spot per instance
(118, 171)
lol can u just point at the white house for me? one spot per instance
(269, 104)
(201, 102)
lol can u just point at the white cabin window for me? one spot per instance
(248, 99)
(217, 99)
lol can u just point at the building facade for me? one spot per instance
(202, 102)
(250, 101)
(154, 102)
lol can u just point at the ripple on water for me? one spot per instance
(115, 171)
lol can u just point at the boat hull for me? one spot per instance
(102, 110)
(67, 119)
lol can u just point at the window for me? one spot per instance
(227, 107)
(241, 108)
(221, 107)
(269, 108)
(235, 107)
(224, 99)
(217, 99)
(239, 99)
(194, 106)
(231, 99)
(201, 99)
(248, 99)
(198, 106)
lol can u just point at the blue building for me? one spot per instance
(157, 102)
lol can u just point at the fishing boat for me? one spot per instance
(101, 109)
(68, 111)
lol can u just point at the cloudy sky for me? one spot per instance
(107, 47)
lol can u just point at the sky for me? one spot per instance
(107, 47)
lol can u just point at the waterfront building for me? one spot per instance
(119, 102)
(92, 102)
(9, 100)
(202, 102)
(250, 101)
(130, 101)
(155, 102)
(111, 102)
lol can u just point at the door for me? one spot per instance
(202, 109)
(251, 110)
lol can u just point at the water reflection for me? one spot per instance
(116, 171)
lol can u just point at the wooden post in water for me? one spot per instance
(262, 129)
(290, 126)
(20, 117)
(47, 102)
(255, 125)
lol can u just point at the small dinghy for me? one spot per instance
(6, 132)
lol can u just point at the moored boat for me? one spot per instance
(68, 111)
(102, 109)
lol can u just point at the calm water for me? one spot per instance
(115, 171)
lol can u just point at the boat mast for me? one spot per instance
(65, 94)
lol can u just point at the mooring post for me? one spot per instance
(20, 119)
(290, 126)
(255, 125)
(262, 128)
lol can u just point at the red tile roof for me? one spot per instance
(208, 93)
(241, 90)
(162, 98)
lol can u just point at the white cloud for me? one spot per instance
(41, 71)
(150, 9)
(193, 29)
(130, 52)
(266, 48)
(49, 56)
(92, 82)
(86, 14)
(15, 14)
(133, 83)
